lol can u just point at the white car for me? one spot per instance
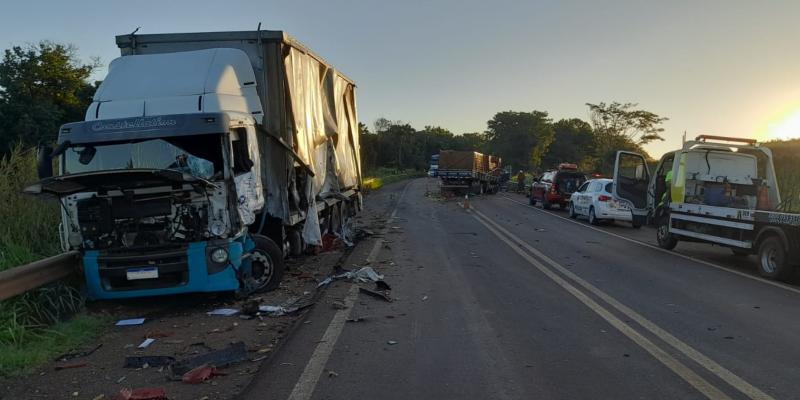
(594, 199)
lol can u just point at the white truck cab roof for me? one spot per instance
(201, 81)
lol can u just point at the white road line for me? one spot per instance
(702, 385)
(307, 383)
(707, 363)
(674, 253)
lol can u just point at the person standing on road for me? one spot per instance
(520, 182)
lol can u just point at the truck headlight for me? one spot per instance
(219, 255)
(218, 228)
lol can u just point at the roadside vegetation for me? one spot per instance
(41, 87)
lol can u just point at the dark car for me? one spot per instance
(556, 186)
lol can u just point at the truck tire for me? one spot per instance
(665, 239)
(295, 243)
(773, 259)
(266, 263)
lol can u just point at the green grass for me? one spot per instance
(19, 359)
(36, 325)
(384, 176)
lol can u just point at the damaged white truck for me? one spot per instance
(719, 190)
(204, 160)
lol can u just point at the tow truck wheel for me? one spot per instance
(572, 211)
(266, 264)
(772, 257)
(665, 239)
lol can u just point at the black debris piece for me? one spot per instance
(151, 361)
(232, 354)
(380, 295)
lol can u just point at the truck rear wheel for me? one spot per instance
(772, 259)
(266, 264)
(665, 239)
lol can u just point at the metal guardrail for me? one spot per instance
(16, 281)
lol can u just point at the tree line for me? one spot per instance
(530, 141)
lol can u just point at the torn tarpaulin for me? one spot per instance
(365, 274)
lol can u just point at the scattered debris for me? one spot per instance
(148, 361)
(391, 342)
(157, 334)
(357, 319)
(201, 374)
(234, 353)
(365, 274)
(275, 311)
(127, 322)
(70, 356)
(147, 342)
(250, 308)
(540, 230)
(70, 366)
(121, 379)
(338, 305)
(142, 394)
(424, 298)
(332, 373)
(380, 295)
(227, 312)
(729, 337)
(382, 285)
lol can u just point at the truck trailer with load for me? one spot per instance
(468, 171)
(203, 161)
(718, 190)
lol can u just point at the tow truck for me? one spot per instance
(723, 191)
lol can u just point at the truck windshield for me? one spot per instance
(198, 155)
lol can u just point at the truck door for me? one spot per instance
(631, 180)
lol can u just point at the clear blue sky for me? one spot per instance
(724, 67)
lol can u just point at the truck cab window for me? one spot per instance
(241, 156)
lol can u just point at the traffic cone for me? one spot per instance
(466, 201)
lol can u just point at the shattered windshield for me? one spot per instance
(199, 155)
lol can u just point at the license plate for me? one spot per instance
(142, 273)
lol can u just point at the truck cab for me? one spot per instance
(718, 190)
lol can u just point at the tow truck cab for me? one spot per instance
(718, 190)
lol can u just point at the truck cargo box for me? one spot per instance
(304, 100)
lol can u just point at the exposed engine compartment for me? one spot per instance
(131, 221)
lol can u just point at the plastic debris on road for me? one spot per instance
(201, 374)
(70, 366)
(380, 295)
(127, 322)
(142, 394)
(226, 312)
(365, 274)
(147, 342)
(276, 311)
(70, 356)
(391, 342)
(232, 354)
(147, 361)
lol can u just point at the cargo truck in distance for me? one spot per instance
(204, 159)
(463, 172)
(718, 190)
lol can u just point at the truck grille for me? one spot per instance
(173, 270)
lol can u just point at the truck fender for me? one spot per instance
(768, 231)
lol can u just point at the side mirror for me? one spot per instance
(44, 161)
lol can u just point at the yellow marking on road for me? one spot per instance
(707, 363)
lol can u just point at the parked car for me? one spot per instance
(596, 201)
(556, 186)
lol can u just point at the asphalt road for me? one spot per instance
(505, 301)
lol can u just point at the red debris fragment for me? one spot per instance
(157, 334)
(330, 242)
(142, 394)
(201, 374)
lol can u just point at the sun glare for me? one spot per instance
(786, 127)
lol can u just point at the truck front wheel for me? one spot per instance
(665, 239)
(266, 264)
(772, 259)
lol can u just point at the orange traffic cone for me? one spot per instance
(466, 201)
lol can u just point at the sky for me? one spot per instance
(716, 67)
